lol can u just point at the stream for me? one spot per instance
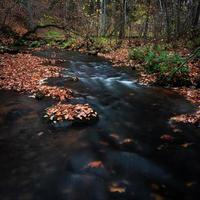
(44, 162)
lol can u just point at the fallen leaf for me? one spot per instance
(95, 164)
(127, 141)
(186, 145)
(167, 138)
(118, 189)
(115, 136)
(190, 184)
(40, 133)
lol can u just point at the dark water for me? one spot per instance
(38, 161)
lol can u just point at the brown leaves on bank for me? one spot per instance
(120, 57)
(24, 73)
(61, 112)
(192, 95)
(188, 118)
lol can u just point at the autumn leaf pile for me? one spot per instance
(61, 112)
(24, 73)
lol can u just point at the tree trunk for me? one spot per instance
(123, 20)
(178, 7)
(147, 20)
(103, 17)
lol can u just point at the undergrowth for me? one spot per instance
(169, 66)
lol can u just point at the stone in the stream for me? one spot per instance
(39, 95)
(78, 114)
(92, 53)
(72, 78)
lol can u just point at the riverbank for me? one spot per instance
(121, 58)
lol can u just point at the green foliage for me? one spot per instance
(156, 59)
(195, 42)
(162, 61)
(47, 19)
(20, 42)
(68, 43)
(103, 43)
(138, 53)
(54, 35)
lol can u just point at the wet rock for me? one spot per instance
(76, 187)
(39, 95)
(87, 163)
(92, 53)
(78, 114)
(72, 78)
(132, 164)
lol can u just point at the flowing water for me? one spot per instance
(40, 161)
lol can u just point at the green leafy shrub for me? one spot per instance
(138, 53)
(162, 61)
(156, 59)
(68, 43)
(54, 35)
(195, 42)
(103, 43)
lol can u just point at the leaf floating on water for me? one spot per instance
(190, 184)
(40, 133)
(155, 186)
(117, 188)
(104, 143)
(186, 145)
(95, 164)
(167, 138)
(157, 196)
(115, 136)
(127, 141)
(176, 130)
